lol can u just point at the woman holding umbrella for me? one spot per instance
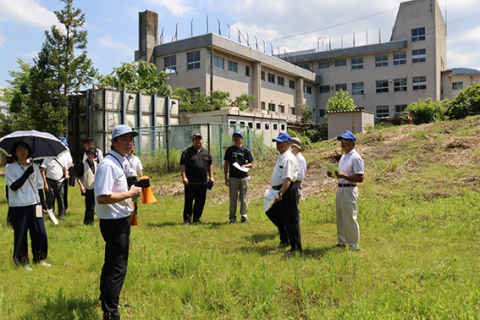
(27, 207)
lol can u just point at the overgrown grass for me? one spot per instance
(419, 223)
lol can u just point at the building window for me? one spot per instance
(399, 58)
(357, 88)
(262, 75)
(357, 63)
(193, 60)
(324, 65)
(381, 86)
(309, 90)
(281, 81)
(267, 126)
(305, 66)
(271, 78)
(170, 64)
(247, 71)
(275, 126)
(233, 122)
(218, 62)
(400, 85)
(250, 125)
(457, 86)
(263, 105)
(292, 110)
(399, 109)
(341, 86)
(291, 84)
(283, 127)
(232, 66)
(419, 83)
(321, 112)
(418, 34)
(381, 60)
(281, 109)
(382, 111)
(324, 89)
(242, 123)
(271, 107)
(341, 63)
(258, 126)
(419, 56)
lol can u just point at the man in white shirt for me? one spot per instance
(284, 212)
(54, 173)
(67, 159)
(113, 202)
(352, 170)
(87, 144)
(302, 167)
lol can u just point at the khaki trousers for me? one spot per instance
(348, 231)
(238, 185)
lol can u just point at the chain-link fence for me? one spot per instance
(162, 146)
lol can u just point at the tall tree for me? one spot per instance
(342, 100)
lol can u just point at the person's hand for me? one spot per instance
(45, 211)
(185, 182)
(135, 192)
(227, 182)
(211, 179)
(83, 190)
(329, 174)
(340, 174)
(47, 189)
(29, 170)
(278, 198)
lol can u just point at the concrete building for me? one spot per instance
(351, 120)
(453, 81)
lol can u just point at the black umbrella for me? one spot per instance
(43, 144)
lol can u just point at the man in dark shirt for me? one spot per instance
(195, 164)
(238, 179)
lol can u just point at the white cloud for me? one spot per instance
(176, 7)
(3, 40)
(108, 42)
(132, 13)
(27, 11)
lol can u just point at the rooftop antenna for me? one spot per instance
(191, 26)
(228, 31)
(176, 32)
(264, 46)
(161, 36)
(342, 42)
(248, 39)
(219, 29)
(256, 42)
(379, 35)
(330, 43)
(354, 39)
(366, 36)
(278, 51)
(207, 23)
(318, 44)
(272, 48)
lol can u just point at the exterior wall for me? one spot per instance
(353, 121)
(449, 78)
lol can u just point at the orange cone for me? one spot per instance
(147, 194)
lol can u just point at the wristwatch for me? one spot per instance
(280, 194)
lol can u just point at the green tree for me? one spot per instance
(306, 114)
(138, 76)
(192, 101)
(342, 100)
(219, 99)
(242, 101)
(467, 103)
(426, 111)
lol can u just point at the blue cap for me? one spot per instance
(239, 133)
(347, 135)
(283, 137)
(64, 140)
(123, 129)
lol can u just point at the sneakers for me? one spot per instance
(28, 267)
(245, 221)
(43, 263)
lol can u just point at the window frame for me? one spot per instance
(381, 60)
(232, 66)
(400, 85)
(418, 57)
(291, 84)
(403, 106)
(338, 88)
(247, 71)
(381, 86)
(357, 63)
(400, 61)
(324, 65)
(418, 84)
(340, 63)
(384, 114)
(194, 64)
(168, 67)
(356, 91)
(418, 34)
(455, 85)
(271, 78)
(324, 89)
(309, 90)
(271, 107)
(215, 62)
(262, 75)
(281, 81)
(281, 109)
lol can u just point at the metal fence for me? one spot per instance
(162, 146)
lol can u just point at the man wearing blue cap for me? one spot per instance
(113, 202)
(237, 181)
(351, 173)
(284, 213)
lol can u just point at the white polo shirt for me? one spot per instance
(109, 179)
(302, 166)
(54, 169)
(135, 165)
(350, 164)
(286, 167)
(27, 195)
(67, 158)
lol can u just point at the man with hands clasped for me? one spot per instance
(351, 173)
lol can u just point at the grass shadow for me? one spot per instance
(265, 250)
(260, 237)
(162, 224)
(61, 307)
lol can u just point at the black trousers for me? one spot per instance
(89, 206)
(197, 193)
(286, 217)
(65, 193)
(56, 191)
(116, 233)
(24, 221)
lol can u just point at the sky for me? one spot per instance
(112, 26)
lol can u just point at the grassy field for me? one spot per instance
(419, 258)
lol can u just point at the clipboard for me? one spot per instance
(332, 169)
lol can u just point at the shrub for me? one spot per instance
(426, 111)
(466, 104)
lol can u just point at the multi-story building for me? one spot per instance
(383, 78)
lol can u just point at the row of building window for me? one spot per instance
(381, 86)
(384, 111)
(258, 125)
(381, 60)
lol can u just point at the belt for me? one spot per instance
(346, 185)
(277, 187)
